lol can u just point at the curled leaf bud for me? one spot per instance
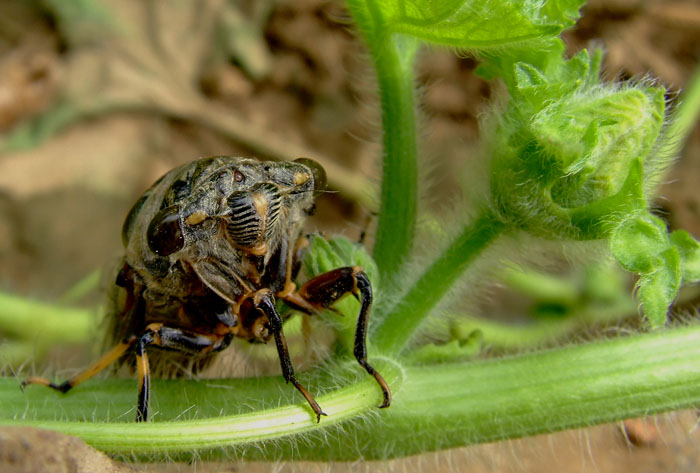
(576, 163)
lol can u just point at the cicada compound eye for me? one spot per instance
(164, 233)
(318, 172)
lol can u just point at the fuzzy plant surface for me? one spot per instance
(570, 158)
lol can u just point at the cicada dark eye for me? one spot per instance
(164, 233)
(317, 170)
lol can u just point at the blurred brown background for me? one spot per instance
(99, 98)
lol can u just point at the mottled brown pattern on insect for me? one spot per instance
(209, 248)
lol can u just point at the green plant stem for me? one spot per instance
(542, 286)
(198, 414)
(538, 333)
(458, 404)
(44, 323)
(435, 406)
(506, 336)
(393, 60)
(88, 284)
(399, 325)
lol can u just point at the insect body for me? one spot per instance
(210, 247)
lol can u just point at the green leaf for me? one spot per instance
(573, 155)
(689, 250)
(328, 254)
(657, 289)
(557, 74)
(470, 23)
(641, 244)
(594, 135)
(594, 219)
(528, 77)
(638, 243)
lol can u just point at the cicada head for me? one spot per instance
(258, 214)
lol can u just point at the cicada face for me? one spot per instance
(229, 212)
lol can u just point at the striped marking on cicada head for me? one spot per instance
(254, 214)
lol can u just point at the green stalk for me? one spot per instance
(88, 284)
(393, 57)
(539, 332)
(191, 415)
(396, 329)
(44, 323)
(452, 405)
(435, 407)
(393, 60)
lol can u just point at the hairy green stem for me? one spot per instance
(459, 404)
(397, 217)
(191, 415)
(399, 325)
(435, 406)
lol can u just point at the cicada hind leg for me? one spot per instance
(126, 312)
(155, 334)
(106, 360)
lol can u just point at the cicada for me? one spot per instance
(209, 249)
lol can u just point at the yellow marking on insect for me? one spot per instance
(221, 330)
(355, 271)
(289, 287)
(260, 294)
(257, 250)
(260, 330)
(196, 218)
(300, 178)
(260, 202)
(142, 369)
(299, 300)
(154, 327)
(41, 381)
(111, 356)
(261, 205)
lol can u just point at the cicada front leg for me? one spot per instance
(262, 302)
(325, 290)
